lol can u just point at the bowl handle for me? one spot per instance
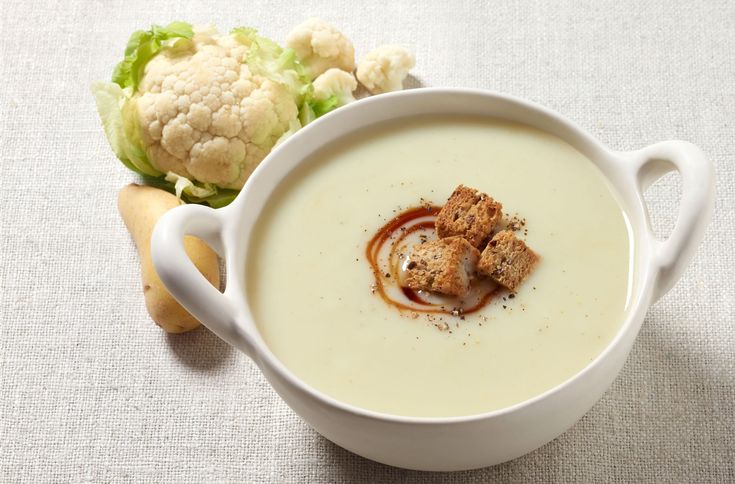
(181, 277)
(672, 255)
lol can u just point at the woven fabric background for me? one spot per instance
(92, 391)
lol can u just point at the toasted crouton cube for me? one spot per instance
(446, 266)
(507, 260)
(470, 214)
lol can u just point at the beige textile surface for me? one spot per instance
(92, 391)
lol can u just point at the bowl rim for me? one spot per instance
(642, 278)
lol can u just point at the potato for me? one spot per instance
(140, 208)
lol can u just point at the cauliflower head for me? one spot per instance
(320, 46)
(199, 110)
(206, 115)
(383, 69)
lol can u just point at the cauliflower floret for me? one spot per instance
(335, 82)
(384, 69)
(320, 46)
(204, 115)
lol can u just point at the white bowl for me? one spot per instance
(439, 444)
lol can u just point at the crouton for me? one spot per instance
(470, 214)
(507, 260)
(446, 266)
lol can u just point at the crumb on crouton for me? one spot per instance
(470, 214)
(507, 260)
(445, 266)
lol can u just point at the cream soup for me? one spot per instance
(309, 283)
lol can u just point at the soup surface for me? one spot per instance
(309, 283)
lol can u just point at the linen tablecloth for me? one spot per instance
(92, 391)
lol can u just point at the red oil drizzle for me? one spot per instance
(413, 296)
(401, 225)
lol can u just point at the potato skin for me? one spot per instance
(140, 208)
